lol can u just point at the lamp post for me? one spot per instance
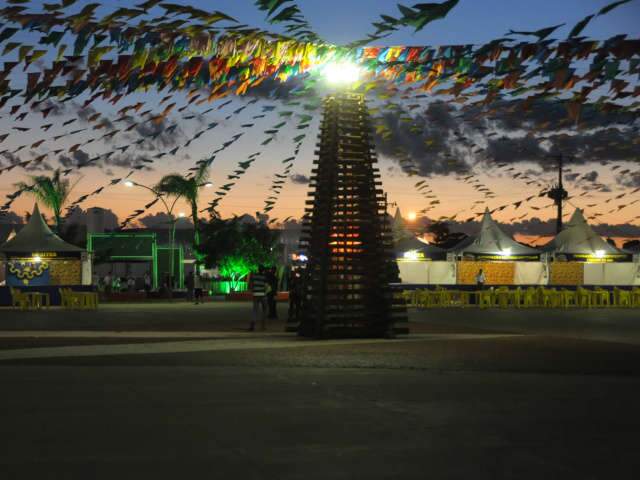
(172, 220)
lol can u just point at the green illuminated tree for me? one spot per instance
(237, 248)
(188, 188)
(53, 192)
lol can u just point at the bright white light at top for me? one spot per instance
(506, 252)
(412, 216)
(341, 73)
(128, 183)
(599, 253)
(182, 215)
(411, 255)
(37, 259)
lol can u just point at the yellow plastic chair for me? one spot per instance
(530, 298)
(89, 300)
(600, 298)
(20, 299)
(68, 299)
(583, 297)
(515, 297)
(569, 298)
(621, 298)
(449, 298)
(551, 298)
(409, 297)
(635, 297)
(485, 298)
(422, 299)
(501, 297)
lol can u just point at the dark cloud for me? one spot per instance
(78, 157)
(630, 180)
(157, 135)
(13, 159)
(511, 150)
(423, 143)
(590, 176)
(544, 115)
(128, 161)
(443, 139)
(300, 179)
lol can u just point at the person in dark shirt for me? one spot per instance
(258, 288)
(190, 284)
(272, 292)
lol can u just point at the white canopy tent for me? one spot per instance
(493, 244)
(578, 241)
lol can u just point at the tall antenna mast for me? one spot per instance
(558, 193)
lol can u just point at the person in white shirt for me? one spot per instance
(481, 279)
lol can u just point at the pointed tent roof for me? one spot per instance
(492, 241)
(400, 230)
(578, 238)
(36, 236)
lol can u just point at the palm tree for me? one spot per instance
(52, 191)
(187, 188)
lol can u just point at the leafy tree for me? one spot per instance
(442, 235)
(187, 188)
(53, 192)
(237, 248)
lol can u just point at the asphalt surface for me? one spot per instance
(469, 394)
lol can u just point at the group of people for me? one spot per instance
(113, 284)
(263, 286)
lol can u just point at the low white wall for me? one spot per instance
(442, 273)
(427, 273)
(526, 273)
(413, 272)
(612, 274)
(531, 273)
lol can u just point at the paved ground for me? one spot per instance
(175, 391)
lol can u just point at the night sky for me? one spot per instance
(339, 21)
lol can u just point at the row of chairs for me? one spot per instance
(504, 297)
(78, 300)
(68, 299)
(29, 300)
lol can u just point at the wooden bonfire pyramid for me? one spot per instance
(346, 233)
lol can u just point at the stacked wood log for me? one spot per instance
(347, 234)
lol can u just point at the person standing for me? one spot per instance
(258, 287)
(480, 279)
(197, 287)
(107, 283)
(295, 294)
(147, 283)
(272, 292)
(190, 286)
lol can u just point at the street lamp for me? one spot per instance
(172, 220)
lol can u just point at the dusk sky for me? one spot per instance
(341, 22)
